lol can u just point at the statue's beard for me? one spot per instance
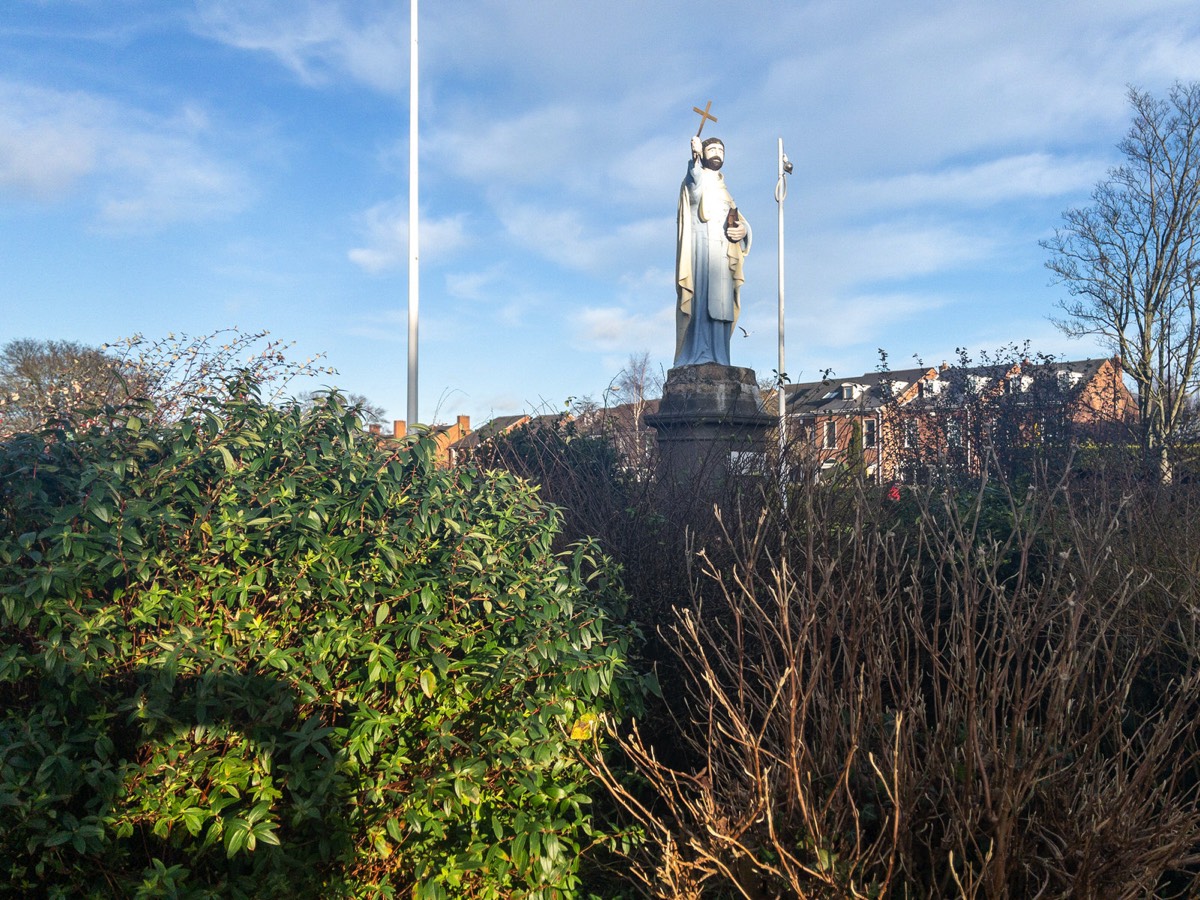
(714, 164)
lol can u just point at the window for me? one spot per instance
(747, 462)
(1068, 380)
(910, 433)
(870, 436)
(953, 434)
(829, 435)
(1016, 384)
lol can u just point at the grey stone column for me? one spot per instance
(710, 424)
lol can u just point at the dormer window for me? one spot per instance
(851, 391)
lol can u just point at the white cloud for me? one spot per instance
(547, 47)
(861, 318)
(569, 238)
(653, 168)
(167, 178)
(612, 329)
(478, 285)
(318, 39)
(48, 140)
(139, 170)
(587, 151)
(836, 261)
(385, 227)
(650, 282)
(389, 325)
(1025, 176)
(893, 89)
(544, 145)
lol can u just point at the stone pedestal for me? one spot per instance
(710, 422)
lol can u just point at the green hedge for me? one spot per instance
(256, 654)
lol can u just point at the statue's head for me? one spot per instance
(713, 154)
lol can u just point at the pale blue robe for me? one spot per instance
(708, 270)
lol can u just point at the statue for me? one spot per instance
(713, 242)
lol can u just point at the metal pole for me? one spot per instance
(780, 193)
(414, 246)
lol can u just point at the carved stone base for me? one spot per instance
(710, 423)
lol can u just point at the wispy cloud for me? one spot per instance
(609, 329)
(566, 236)
(318, 40)
(1021, 177)
(389, 326)
(892, 251)
(385, 228)
(166, 178)
(544, 144)
(862, 318)
(474, 285)
(48, 141)
(139, 170)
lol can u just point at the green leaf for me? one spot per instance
(428, 682)
(237, 832)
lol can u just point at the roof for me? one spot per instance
(489, 430)
(503, 425)
(623, 416)
(877, 389)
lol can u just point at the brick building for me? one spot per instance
(898, 425)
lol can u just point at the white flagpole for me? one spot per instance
(414, 255)
(785, 168)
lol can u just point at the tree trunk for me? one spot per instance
(1166, 473)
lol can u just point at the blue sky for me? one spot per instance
(189, 166)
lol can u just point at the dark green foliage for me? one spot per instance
(256, 654)
(854, 452)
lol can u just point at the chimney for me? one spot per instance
(374, 429)
(944, 366)
(464, 425)
(399, 429)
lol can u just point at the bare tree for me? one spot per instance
(638, 382)
(1131, 262)
(632, 389)
(43, 380)
(182, 371)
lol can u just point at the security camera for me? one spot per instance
(787, 165)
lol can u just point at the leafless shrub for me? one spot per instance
(959, 696)
(182, 371)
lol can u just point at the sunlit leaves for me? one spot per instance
(249, 650)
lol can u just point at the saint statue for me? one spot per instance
(713, 242)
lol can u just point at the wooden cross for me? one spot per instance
(704, 116)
